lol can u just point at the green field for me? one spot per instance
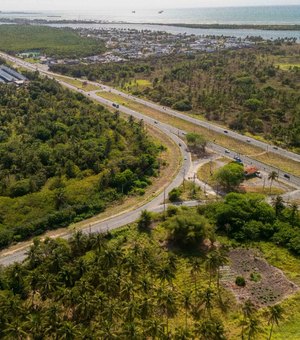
(60, 43)
(288, 66)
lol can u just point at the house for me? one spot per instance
(250, 171)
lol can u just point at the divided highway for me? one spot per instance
(175, 134)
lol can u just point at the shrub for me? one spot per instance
(240, 281)
(174, 195)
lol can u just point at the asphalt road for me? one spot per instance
(128, 217)
(208, 125)
(173, 133)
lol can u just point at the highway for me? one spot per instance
(130, 216)
(156, 204)
(211, 126)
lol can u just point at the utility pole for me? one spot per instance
(164, 202)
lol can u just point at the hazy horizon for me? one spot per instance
(73, 5)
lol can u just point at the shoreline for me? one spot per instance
(264, 27)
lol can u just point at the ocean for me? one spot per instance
(227, 15)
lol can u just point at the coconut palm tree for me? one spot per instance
(253, 327)
(273, 175)
(210, 329)
(248, 310)
(16, 330)
(195, 270)
(167, 303)
(154, 328)
(207, 300)
(278, 205)
(187, 305)
(294, 214)
(275, 315)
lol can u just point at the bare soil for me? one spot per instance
(265, 285)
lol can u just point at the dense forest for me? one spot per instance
(249, 90)
(63, 158)
(153, 279)
(53, 42)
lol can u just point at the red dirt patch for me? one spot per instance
(265, 285)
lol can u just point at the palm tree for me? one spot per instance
(218, 258)
(278, 205)
(182, 334)
(196, 269)
(248, 310)
(212, 265)
(210, 329)
(187, 305)
(275, 315)
(154, 328)
(293, 213)
(166, 273)
(207, 300)
(16, 330)
(68, 330)
(253, 327)
(273, 175)
(167, 304)
(145, 221)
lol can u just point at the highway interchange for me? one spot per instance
(173, 133)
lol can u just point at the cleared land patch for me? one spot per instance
(265, 285)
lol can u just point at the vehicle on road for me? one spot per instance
(258, 174)
(237, 159)
(287, 176)
(225, 131)
(275, 148)
(116, 105)
(227, 151)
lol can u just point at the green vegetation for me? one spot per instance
(54, 42)
(134, 284)
(230, 176)
(247, 217)
(196, 143)
(240, 281)
(242, 89)
(64, 159)
(174, 195)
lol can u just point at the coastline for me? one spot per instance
(263, 27)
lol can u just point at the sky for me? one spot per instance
(18, 5)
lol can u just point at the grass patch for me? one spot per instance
(261, 190)
(239, 147)
(288, 66)
(206, 172)
(137, 84)
(190, 191)
(80, 84)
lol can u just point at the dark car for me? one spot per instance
(287, 176)
(237, 159)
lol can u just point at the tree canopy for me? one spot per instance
(63, 158)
